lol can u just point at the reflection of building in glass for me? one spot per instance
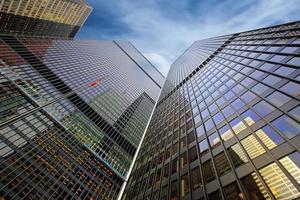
(72, 116)
(230, 110)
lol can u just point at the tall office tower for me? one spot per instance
(72, 114)
(227, 124)
(54, 18)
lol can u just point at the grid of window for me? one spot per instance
(239, 108)
(59, 18)
(71, 117)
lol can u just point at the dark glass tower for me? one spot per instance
(227, 124)
(72, 113)
(54, 18)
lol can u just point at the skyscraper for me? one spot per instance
(72, 112)
(54, 18)
(227, 123)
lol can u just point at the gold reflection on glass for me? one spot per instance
(61, 11)
(266, 139)
(291, 166)
(252, 146)
(279, 184)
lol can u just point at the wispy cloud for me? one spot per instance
(163, 29)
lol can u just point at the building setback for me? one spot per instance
(227, 123)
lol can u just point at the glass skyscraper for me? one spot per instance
(227, 123)
(72, 112)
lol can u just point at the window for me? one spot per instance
(218, 118)
(164, 193)
(184, 185)
(287, 126)
(237, 125)
(158, 173)
(191, 137)
(268, 136)
(278, 99)
(248, 96)
(237, 104)
(209, 124)
(175, 148)
(182, 144)
(174, 191)
(215, 195)
(208, 172)
(278, 182)
(291, 88)
(222, 164)
(271, 80)
(200, 131)
(183, 160)
(254, 187)
(295, 112)
(292, 164)
(237, 155)
(175, 166)
(259, 88)
(263, 108)
(166, 171)
(196, 178)
(225, 133)
(232, 192)
(193, 154)
(203, 146)
(250, 117)
(214, 140)
(252, 146)
(227, 111)
(197, 119)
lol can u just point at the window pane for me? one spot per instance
(279, 184)
(237, 125)
(222, 164)
(183, 160)
(237, 155)
(252, 146)
(237, 104)
(232, 192)
(184, 185)
(196, 178)
(193, 154)
(208, 171)
(215, 195)
(278, 99)
(173, 193)
(268, 136)
(225, 133)
(292, 164)
(250, 117)
(291, 88)
(203, 146)
(263, 108)
(287, 126)
(200, 131)
(295, 112)
(214, 140)
(248, 96)
(259, 88)
(254, 187)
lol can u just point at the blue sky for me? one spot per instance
(163, 29)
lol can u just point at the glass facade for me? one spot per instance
(54, 18)
(227, 121)
(71, 116)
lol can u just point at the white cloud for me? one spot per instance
(163, 38)
(159, 61)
